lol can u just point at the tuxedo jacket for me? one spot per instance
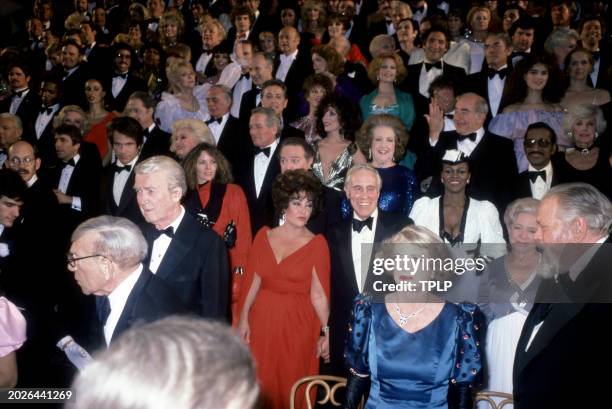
(132, 84)
(344, 287)
(479, 83)
(99, 60)
(300, 69)
(45, 144)
(261, 208)
(232, 142)
(27, 111)
(73, 87)
(196, 267)
(568, 355)
(521, 186)
(158, 143)
(128, 206)
(492, 167)
(247, 104)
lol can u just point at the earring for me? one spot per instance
(370, 154)
(596, 135)
(283, 216)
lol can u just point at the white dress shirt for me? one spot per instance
(217, 128)
(117, 300)
(285, 65)
(42, 120)
(161, 244)
(467, 146)
(16, 100)
(65, 181)
(390, 27)
(541, 187)
(243, 85)
(203, 61)
(118, 84)
(260, 166)
(595, 71)
(365, 236)
(449, 123)
(495, 87)
(121, 178)
(427, 77)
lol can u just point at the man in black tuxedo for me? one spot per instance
(368, 224)
(117, 187)
(492, 82)
(190, 258)
(224, 127)
(492, 162)
(75, 179)
(436, 42)
(259, 171)
(121, 83)
(98, 57)
(262, 67)
(141, 107)
(106, 257)
(591, 34)
(12, 189)
(73, 74)
(24, 102)
(522, 33)
(562, 334)
(43, 123)
(540, 144)
(274, 96)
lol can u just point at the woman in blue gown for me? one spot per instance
(382, 139)
(424, 353)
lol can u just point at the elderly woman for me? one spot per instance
(314, 19)
(455, 216)
(337, 121)
(383, 139)
(187, 134)
(213, 35)
(385, 71)
(508, 288)
(560, 43)
(221, 205)
(412, 349)
(316, 87)
(586, 161)
(171, 28)
(284, 301)
(326, 60)
(534, 96)
(578, 66)
(183, 99)
(478, 20)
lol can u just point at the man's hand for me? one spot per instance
(435, 120)
(62, 198)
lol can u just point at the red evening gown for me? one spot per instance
(284, 326)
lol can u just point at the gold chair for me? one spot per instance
(487, 396)
(324, 382)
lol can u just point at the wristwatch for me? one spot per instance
(324, 330)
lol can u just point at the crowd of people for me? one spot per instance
(244, 161)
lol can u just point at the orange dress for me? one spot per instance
(97, 134)
(283, 322)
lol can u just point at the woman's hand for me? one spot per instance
(244, 330)
(323, 347)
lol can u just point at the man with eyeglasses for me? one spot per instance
(121, 83)
(540, 144)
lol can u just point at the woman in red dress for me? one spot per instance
(284, 303)
(97, 119)
(220, 205)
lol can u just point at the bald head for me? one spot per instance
(22, 159)
(341, 44)
(288, 40)
(470, 113)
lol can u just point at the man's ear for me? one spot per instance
(579, 228)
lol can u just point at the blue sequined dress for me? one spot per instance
(413, 370)
(399, 187)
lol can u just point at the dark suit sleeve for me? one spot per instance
(214, 279)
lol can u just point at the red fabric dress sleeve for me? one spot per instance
(236, 199)
(322, 264)
(252, 266)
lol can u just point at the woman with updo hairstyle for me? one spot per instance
(478, 20)
(337, 121)
(578, 66)
(316, 87)
(284, 300)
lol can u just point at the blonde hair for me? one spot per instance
(173, 73)
(200, 131)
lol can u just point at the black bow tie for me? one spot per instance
(521, 54)
(389, 22)
(103, 308)
(265, 151)
(117, 75)
(449, 116)
(70, 162)
(471, 136)
(119, 169)
(169, 231)
(211, 120)
(246, 75)
(533, 175)
(45, 110)
(429, 66)
(596, 54)
(502, 73)
(18, 94)
(358, 225)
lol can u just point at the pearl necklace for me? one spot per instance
(403, 319)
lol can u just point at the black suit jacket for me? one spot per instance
(261, 208)
(344, 287)
(128, 206)
(521, 186)
(233, 142)
(196, 267)
(300, 69)
(73, 87)
(247, 104)
(158, 143)
(569, 342)
(27, 111)
(132, 84)
(479, 83)
(45, 144)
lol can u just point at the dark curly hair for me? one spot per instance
(291, 184)
(553, 90)
(349, 115)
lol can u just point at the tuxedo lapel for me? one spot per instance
(346, 255)
(271, 172)
(178, 249)
(126, 320)
(127, 195)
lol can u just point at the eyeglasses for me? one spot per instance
(542, 143)
(18, 161)
(72, 261)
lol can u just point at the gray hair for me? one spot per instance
(559, 37)
(176, 362)
(272, 120)
(15, 118)
(583, 200)
(524, 205)
(357, 168)
(480, 106)
(227, 92)
(584, 111)
(199, 129)
(175, 175)
(381, 43)
(117, 238)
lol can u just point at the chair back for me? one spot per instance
(329, 384)
(496, 400)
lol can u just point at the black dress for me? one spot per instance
(597, 176)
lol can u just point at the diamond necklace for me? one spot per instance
(403, 318)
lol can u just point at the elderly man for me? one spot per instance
(261, 71)
(224, 127)
(73, 75)
(191, 259)
(191, 364)
(106, 257)
(491, 157)
(561, 352)
(368, 224)
(10, 132)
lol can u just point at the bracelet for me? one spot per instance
(324, 330)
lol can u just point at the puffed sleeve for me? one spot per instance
(12, 327)
(468, 356)
(356, 352)
(164, 112)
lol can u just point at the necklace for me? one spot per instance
(403, 319)
(584, 151)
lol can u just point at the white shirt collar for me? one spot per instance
(32, 180)
(123, 290)
(374, 215)
(290, 57)
(175, 224)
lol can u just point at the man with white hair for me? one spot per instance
(561, 352)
